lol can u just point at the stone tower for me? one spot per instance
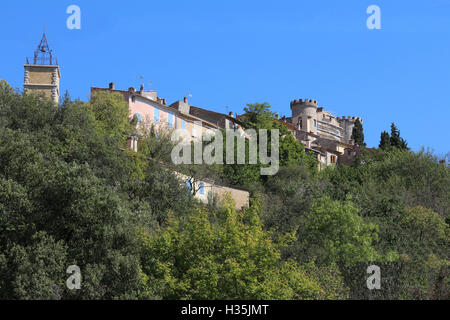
(304, 114)
(42, 72)
(348, 123)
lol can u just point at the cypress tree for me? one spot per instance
(358, 134)
(385, 143)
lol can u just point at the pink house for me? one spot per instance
(151, 110)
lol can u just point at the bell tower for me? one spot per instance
(42, 72)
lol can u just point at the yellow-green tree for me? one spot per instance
(226, 256)
(111, 114)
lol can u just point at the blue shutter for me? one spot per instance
(156, 115)
(170, 120)
(188, 185)
(202, 188)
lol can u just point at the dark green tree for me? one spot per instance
(358, 134)
(65, 100)
(396, 140)
(385, 141)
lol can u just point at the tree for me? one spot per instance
(422, 232)
(55, 211)
(385, 142)
(110, 112)
(292, 152)
(224, 256)
(358, 134)
(35, 270)
(423, 239)
(65, 100)
(395, 139)
(334, 232)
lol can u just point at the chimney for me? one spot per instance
(141, 90)
(111, 86)
(231, 114)
(132, 90)
(182, 106)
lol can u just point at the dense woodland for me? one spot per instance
(71, 194)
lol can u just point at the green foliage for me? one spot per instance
(385, 141)
(334, 232)
(393, 141)
(358, 134)
(258, 116)
(288, 197)
(70, 194)
(396, 140)
(224, 256)
(421, 232)
(110, 112)
(35, 270)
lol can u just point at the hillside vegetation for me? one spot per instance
(71, 194)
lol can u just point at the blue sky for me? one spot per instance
(230, 53)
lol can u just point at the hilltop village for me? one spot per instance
(327, 137)
(93, 205)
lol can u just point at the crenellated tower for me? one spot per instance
(304, 114)
(348, 123)
(309, 117)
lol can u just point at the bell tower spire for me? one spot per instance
(42, 73)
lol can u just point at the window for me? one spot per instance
(301, 123)
(202, 188)
(315, 123)
(139, 117)
(156, 115)
(170, 119)
(188, 185)
(333, 159)
(183, 125)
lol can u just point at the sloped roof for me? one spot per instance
(211, 116)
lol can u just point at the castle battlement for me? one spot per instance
(350, 119)
(309, 102)
(309, 117)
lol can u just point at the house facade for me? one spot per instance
(193, 122)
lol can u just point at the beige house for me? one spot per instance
(205, 190)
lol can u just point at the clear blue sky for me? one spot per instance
(230, 53)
